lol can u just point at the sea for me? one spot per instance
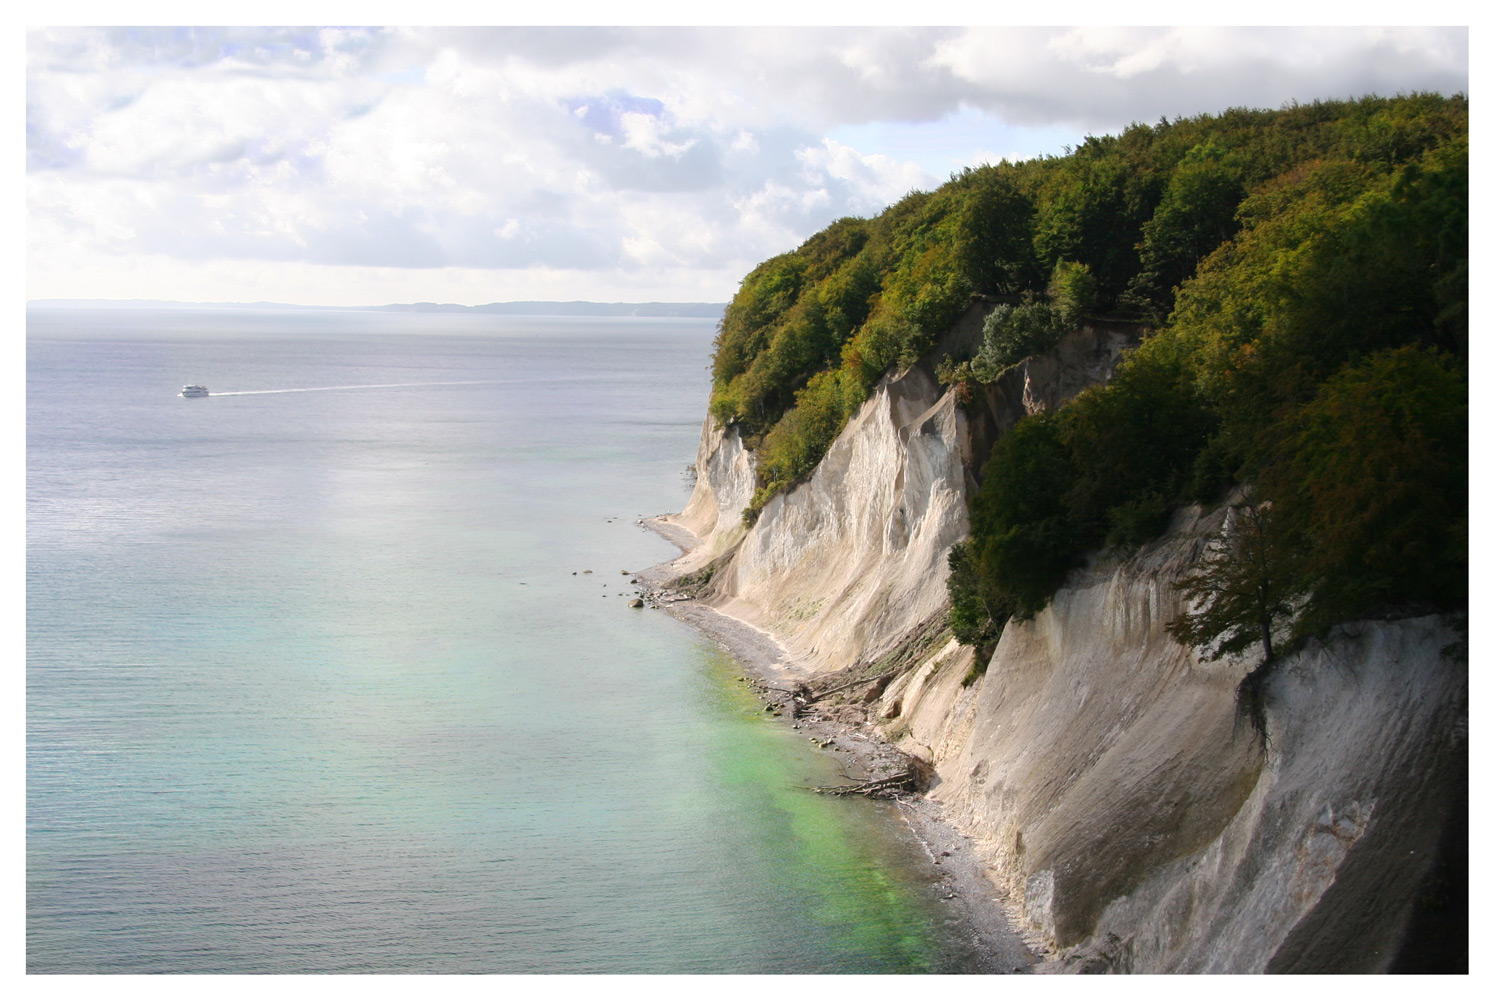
(334, 670)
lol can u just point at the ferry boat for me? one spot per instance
(194, 390)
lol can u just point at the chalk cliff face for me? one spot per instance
(838, 568)
(1132, 819)
(841, 568)
(1127, 811)
(725, 474)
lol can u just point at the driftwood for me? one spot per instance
(817, 695)
(877, 788)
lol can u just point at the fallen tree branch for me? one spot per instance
(877, 788)
(813, 696)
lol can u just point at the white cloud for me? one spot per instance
(643, 134)
(1104, 78)
(868, 179)
(585, 154)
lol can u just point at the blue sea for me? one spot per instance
(317, 681)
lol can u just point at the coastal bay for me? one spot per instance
(318, 681)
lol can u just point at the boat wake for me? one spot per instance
(331, 388)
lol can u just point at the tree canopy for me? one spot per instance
(1306, 230)
(1304, 274)
(1318, 354)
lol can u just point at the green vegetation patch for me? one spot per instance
(810, 332)
(1319, 353)
(1116, 227)
(1305, 275)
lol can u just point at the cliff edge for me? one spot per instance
(1130, 816)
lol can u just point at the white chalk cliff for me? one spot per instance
(1132, 821)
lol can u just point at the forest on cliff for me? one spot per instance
(1301, 277)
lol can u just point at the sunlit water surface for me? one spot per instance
(316, 681)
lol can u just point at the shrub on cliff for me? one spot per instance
(1242, 592)
(1012, 333)
(794, 446)
(1022, 540)
(970, 620)
(1102, 471)
(1368, 514)
(1133, 444)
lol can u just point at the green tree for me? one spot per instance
(1023, 543)
(1090, 208)
(969, 618)
(1071, 291)
(1242, 593)
(790, 451)
(1374, 475)
(993, 231)
(1013, 333)
(1133, 443)
(1196, 214)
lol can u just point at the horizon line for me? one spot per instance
(387, 305)
(523, 307)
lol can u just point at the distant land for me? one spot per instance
(702, 310)
(705, 310)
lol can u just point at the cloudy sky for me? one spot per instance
(366, 166)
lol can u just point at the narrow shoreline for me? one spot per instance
(958, 877)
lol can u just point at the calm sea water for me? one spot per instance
(316, 681)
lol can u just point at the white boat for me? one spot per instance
(194, 390)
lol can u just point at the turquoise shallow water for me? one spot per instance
(311, 685)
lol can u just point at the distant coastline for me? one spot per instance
(701, 310)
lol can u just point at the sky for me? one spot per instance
(363, 166)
